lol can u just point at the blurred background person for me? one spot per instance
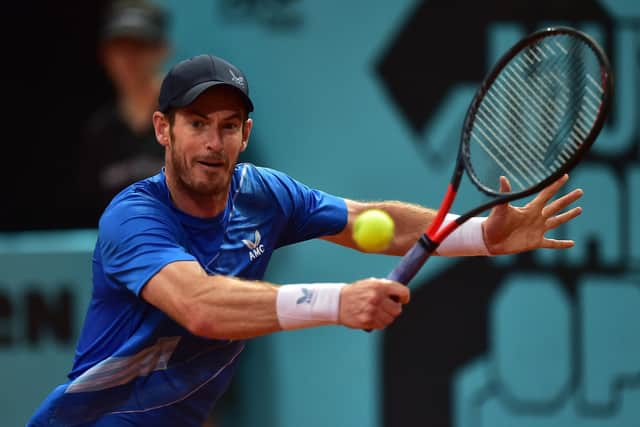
(118, 146)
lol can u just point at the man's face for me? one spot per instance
(205, 141)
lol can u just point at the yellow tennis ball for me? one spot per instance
(373, 230)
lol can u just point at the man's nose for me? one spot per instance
(213, 141)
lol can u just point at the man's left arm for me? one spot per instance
(508, 229)
(410, 222)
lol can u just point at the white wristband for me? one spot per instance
(466, 240)
(305, 305)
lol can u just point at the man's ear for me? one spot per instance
(246, 132)
(161, 128)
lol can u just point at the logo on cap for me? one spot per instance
(239, 80)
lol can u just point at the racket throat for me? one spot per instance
(427, 244)
(445, 206)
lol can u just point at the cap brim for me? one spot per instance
(198, 89)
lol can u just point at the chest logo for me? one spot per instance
(256, 248)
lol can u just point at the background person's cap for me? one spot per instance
(188, 79)
(139, 20)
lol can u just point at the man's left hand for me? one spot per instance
(511, 229)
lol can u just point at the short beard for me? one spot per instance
(199, 190)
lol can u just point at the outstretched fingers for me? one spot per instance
(558, 220)
(561, 203)
(505, 185)
(557, 244)
(549, 191)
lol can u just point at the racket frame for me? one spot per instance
(606, 78)
(426, 245)
(435, 234)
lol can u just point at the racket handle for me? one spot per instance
(411, 262)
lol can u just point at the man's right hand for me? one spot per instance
(372, 303)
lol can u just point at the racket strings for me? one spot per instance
(575, 74)
(545, 106)
(512, 89)
(537, 113)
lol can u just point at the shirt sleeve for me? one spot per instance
(136, 239)
(311, 212)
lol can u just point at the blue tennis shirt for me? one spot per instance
(136, 366)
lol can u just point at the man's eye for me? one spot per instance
(197, 124)
(231, 126)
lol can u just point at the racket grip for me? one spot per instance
(411, 262)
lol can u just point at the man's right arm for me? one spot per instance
(231, 308)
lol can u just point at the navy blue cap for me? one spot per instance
(188, 79)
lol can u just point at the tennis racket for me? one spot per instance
(535, 115)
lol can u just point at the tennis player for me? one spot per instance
(179, 259)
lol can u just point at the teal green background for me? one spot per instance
(323, 116)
